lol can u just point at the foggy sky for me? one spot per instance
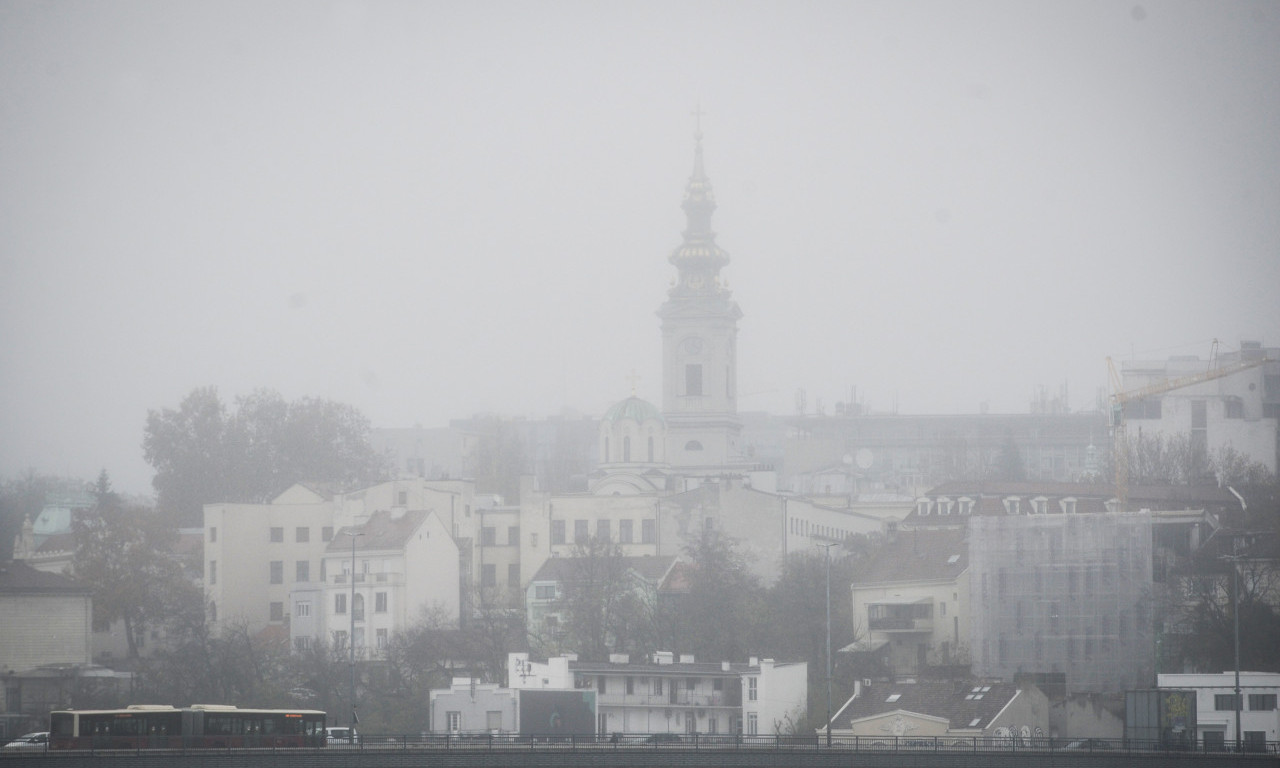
(429, 210)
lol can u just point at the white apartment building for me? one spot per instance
(261, 559)
(1216, 706)
(669, 694)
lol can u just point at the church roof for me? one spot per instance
(633, 409)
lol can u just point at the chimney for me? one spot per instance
(663, 657)
(619, 658)
(753, 661)
(686, 658)
(724, 666)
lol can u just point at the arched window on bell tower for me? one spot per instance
(650, 449)
(626, 448)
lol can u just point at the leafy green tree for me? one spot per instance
(203, 453)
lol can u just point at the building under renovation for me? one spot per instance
(1063, 596)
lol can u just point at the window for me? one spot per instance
(213, 536)
(493, 720)
(357, 612)
(752, 689)
(922, 507)
(752, 723)
(580, 532)
(1234, 408)
(1215, 741)
(624, 531)
(600, 684)
(277, 571)
(213, 611)
(657, 686)
(302, 571)
(1142, 409)
(1068, 506)
(277, 611)
(1011, 505)
(302, 643)
(631, 685)
(650, 450)
(302, 609)
(340, 639)
(454, 721)
(277, 535)
(340, 603)
(692, 684)
(1262, 702)
(513, 575)
(626, 448)
(488, 575)
(302, 534)
(693, 445)
(488, 536)
(326, 533)
(602, 530)
(1255, 741)
(381, 638)
(693, 379)
(379, 602)
(213, 571)
(1199, 428)
(402, 498)
(557, 531)
(513, 536)
(648, 531)
(544, 592)
(1225, 702)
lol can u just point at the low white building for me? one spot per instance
(1216, 706)
(470, 706)
(670, 694)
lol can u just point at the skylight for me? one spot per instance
(953, 560)
(893, 697)
(974, 721)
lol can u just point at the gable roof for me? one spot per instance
(651, 568)
(916, 555)
(959, 702)
(382, 531)
(17, 577)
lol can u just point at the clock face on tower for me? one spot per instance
(692, 345)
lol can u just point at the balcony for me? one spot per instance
(914, 616)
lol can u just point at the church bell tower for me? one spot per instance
(699, 342)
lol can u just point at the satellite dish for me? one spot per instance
(865, 458)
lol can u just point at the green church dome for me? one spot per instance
(633, 409)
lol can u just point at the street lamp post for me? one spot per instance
(826, 550)
(351, 638)
(1235, 616)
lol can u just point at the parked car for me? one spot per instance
(38, 740)
(340, 734)
(1089, 744)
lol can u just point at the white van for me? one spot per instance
(340, 734)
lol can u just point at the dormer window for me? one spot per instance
(966, 505)
(1011, 505)
(922, 507)
(944, 505)
(1112, 505)
(1040, 506)
(1068, 505)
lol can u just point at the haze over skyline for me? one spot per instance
(429, 210)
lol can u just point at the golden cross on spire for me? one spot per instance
(697, 118)
(633, 378)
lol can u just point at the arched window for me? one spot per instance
(606, 450)
(693, 445)
(626, 448)
(651, 449)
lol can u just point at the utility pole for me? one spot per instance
(826, 548)
(351, 638)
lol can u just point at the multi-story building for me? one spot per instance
(677, 695)
(261, 559)
(1217, 704)
(911, 600)
(1232, 401)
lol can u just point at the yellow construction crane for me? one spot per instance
(1120, 398)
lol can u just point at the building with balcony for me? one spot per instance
(670, 694)
(911, 598)
(377, 579)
